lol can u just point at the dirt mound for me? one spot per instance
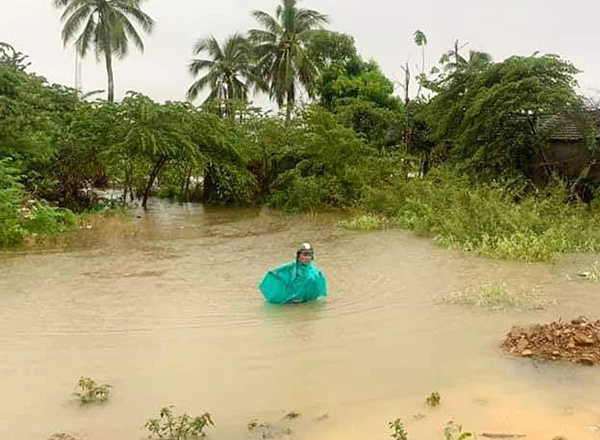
(577, 341)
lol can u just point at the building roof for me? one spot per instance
(570, 127)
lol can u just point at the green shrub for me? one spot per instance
(485, 218)
(21, 216)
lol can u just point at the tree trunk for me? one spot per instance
(186, 191)
(111, 80)
(406, 84)
(407, 127)
(128, 182)
(153, 175)
(425, 166)
(290, 103)
(182, 186)
(209, 185)
(125, 182)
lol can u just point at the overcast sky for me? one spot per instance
(382, 29)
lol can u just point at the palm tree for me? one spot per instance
(230, 72)
(281, 49)
(453, 60)
(107, 26)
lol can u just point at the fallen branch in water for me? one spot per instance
(491, 435)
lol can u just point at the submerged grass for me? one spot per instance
(365, 222)
(499, 297)
(483, 218)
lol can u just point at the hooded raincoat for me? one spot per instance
(293, 283)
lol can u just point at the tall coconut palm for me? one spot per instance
(280, 47)
(229, 71)
(453, 60)
(105, 25)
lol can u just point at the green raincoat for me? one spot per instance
(293, 283)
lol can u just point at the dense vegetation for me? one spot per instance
(455, 161)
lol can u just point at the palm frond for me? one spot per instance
(420, 38)
(110, 24)
(74, 5)
(268, 22)
(130, 32)
(199, 64)
(209, 45)
(142, 19)
(83, 42)
(259, 36)
(310, 19)
(74, 21)
(198, 86)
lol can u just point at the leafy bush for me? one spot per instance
(89, 391)
(21, 216)
(398, 431)
(317, 168)
(178, 428)
(12, 198)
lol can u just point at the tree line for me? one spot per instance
(354, 135)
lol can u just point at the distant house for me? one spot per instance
(569, 145)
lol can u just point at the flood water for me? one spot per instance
(165, 308)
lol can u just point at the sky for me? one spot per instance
(382, 29)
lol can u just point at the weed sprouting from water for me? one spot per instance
(89, 391)
(291, 415)
(265, 430)
(499, 297)
(434, 399)
(178, 428)
(398, 431)
(453, 431)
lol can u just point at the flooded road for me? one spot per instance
(166, 310)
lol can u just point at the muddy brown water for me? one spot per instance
(165, 308)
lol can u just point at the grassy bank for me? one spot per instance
(24, 218)
(489, 219)
(37, 221)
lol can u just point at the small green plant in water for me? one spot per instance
(453, 431)
(266, 430)
(89, 391)
(292, 415)
(434, 399)
(499, 297)
(178, 428)
(398, 431)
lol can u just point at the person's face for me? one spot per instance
(305, 257)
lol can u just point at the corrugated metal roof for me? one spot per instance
(570, 127)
